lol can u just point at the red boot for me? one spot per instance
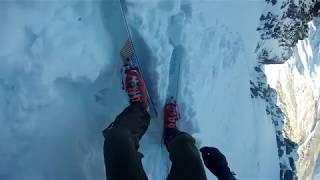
(171, 115)
(133, 84)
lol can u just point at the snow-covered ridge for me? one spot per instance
(287, 150)
(297, 85)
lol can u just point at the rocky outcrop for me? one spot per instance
(281, 26)
(296, 83)
(287, 149)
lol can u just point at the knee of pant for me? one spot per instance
(117, 135)
(170, 134)
(118, 142)
(132, 118)
(180, 140)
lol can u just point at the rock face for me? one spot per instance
(283, 23)
(292, 94)
(287, 149)
(297, 85)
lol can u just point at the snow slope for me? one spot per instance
(60, 84)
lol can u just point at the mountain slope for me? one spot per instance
(296, 82)
(60, 84)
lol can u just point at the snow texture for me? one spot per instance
(60, 84)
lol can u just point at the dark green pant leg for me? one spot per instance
(185, 158)
(122, 159)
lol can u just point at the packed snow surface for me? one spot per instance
(60, 84)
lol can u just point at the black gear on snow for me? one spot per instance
(123, 160)
(217, 163)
